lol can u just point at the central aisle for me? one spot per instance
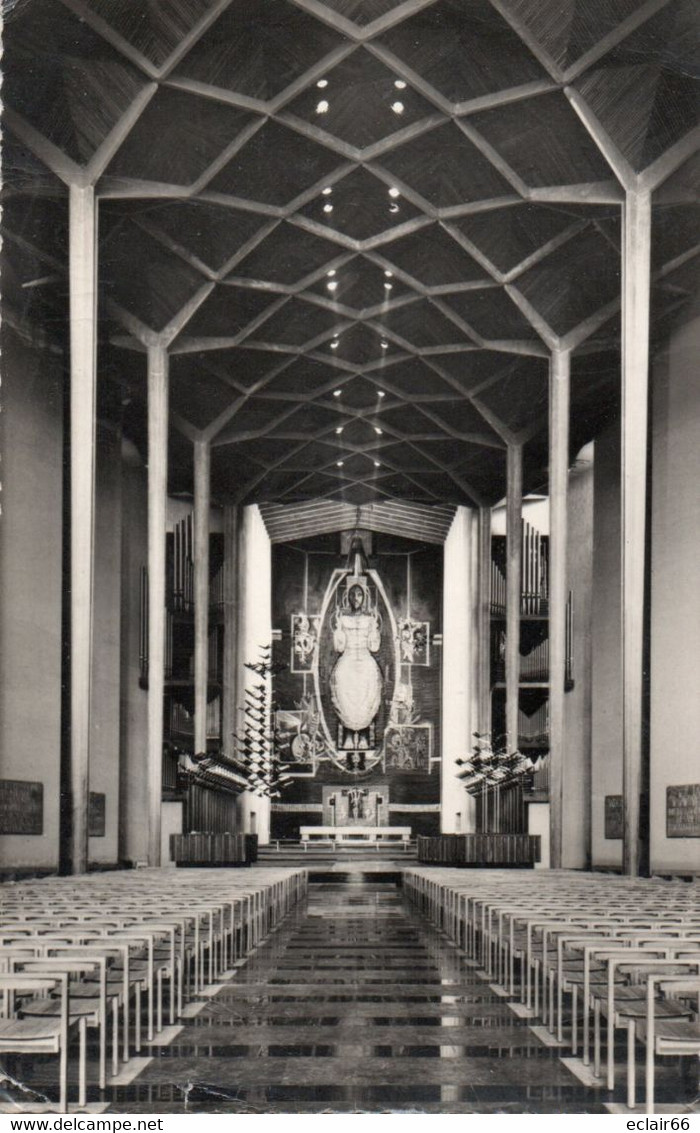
(355, 1003)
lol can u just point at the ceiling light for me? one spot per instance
(339, 429)
(388, 286)
(398, 83)
(334, 346)
(331, 273)
(332, 285)
(337, 392)
(394, 192)
(328, 208)
(324, 83)
(388, 274)
(322, 107)
(327, 191)
(397, 107)
(381, 393)
(377, 430)
(384, 344)
(339, 463)
(393, 207)
(377, 464)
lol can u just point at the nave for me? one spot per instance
(353, 1003)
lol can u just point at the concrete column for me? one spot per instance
(157, 493)
(636, 255)
(559, 391)
(484, 622)
(83, 391)
(229, 723)
(514, 543)
(202, 503)
(459, 674)
(254, 631)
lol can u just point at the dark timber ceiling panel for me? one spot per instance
(359, 226)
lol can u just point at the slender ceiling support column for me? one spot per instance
(514, 540)
(202, 500)
(559, 393)
(635, 391)
(229, 724)
(83, 392)
(484, 623)
(157, 492)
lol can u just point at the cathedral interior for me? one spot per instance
(350, 557)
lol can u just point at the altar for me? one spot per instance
(355, 835)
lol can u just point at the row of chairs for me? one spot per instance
(606, 953)
(102, 950)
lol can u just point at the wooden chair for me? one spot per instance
(41, 1035)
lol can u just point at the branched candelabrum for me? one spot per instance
(257, 742)
(492, 765)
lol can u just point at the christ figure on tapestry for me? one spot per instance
(356, 681)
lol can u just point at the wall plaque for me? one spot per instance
(21, 807)
(613, 816)
(683, 811)
(97, 808)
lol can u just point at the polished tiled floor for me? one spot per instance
(354, 1004)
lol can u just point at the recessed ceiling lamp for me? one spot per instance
(339, 463)
(381, 393)
(388, 286)
(394, 192)
(377, 464)
(384, 345)
(328, 208)
(330, 273)
(393, 207)
(339, 430)
(337, 392)
(327, 191)
(397, 107)
(324, 83)
(322, 107)
(332, 284)
(388, 274)
(334, 346)
(377, 430)
(398, 83)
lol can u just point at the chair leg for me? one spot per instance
(150, 1011)
(115, 1037)
(560, 1011)
(126, 1027)
(137, 1021)
(649, 1076)
(82, 1033)
(63, 1079)
(103, 1050)
(574, 1019)
(159, 1018)
(631, 1068)
(611, 1053)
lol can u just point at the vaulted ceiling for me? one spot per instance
(360, 224)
